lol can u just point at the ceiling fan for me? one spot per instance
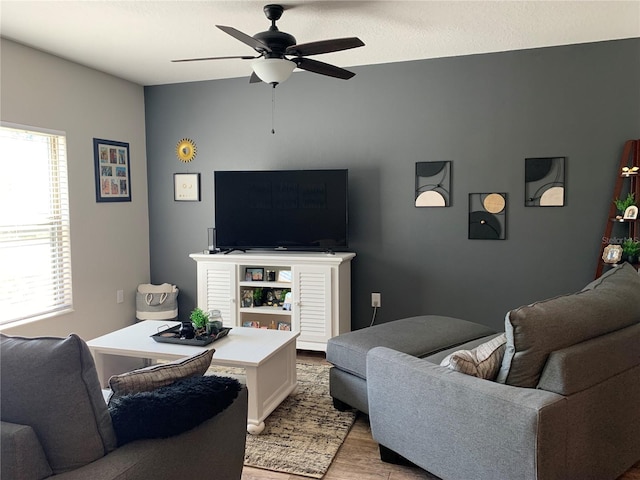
(273, 46)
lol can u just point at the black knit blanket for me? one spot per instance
(171, 409)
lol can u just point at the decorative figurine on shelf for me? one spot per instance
(269, 297)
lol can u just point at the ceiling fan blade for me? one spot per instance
(254, 78)
(324, 46)
(244, 57)
(322, 68)
(244, 38)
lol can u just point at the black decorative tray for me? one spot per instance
(172, 335)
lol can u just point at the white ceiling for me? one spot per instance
(137, 39)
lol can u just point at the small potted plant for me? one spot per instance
(257, 297)
(631, 250)
(199, 319)
(622, 205)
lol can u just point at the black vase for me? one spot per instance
(187, 330)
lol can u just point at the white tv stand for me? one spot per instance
(320, 286)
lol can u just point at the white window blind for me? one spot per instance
(35, 249)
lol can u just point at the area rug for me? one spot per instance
(302, 435)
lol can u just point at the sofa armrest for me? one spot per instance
(213, 449)
(460, 427)
(22, 455)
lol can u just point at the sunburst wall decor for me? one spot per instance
(186, 150)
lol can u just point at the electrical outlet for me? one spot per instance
(376, 300)
(120, 296)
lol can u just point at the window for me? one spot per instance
(35, 249)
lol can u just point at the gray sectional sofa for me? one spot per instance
(565, 403)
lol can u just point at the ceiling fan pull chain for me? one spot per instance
(273, 109)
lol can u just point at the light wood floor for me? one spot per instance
(358, 456)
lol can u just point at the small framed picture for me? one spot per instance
(284, 326)
(612, 254)
(284, 275)
(631, 213)
(287, 301)
(186, 187)
(254, 274)
(112, 171)
(247, 298)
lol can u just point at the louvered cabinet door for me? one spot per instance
(312, 303)
(217, 290)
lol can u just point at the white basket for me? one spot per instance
(157, 302)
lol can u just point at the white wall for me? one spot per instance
(109, 241)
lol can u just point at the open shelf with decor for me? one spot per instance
(620, 240)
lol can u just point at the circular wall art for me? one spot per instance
(186, 150)
(494, 203)
(487, 216)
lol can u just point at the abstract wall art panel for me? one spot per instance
(433, 184)
(487, 216)
(544, 182)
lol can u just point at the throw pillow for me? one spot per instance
(483, 361)
(534, 331)
(51, 384)
(150, 378)
(172, 409)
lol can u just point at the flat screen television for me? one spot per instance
(281, 209)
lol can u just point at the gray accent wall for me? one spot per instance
(485, 113)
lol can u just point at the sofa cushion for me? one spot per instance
(156, 376)
(172, 409)
(603, 358)
(418, 336)
(482, 362)
(51, 384)
(534, 331)
(21, 453)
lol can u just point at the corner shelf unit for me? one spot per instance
(319, 286)
(615, 227)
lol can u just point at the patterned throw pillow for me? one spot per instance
(150, 378)
(483, 361)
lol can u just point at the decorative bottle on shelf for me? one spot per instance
(272, 326)
(215, 322)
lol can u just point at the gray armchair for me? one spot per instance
(55, 422)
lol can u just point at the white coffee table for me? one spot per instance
(267, 356)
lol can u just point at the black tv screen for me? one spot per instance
(281, 209)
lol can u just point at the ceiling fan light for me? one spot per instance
(273, 70)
